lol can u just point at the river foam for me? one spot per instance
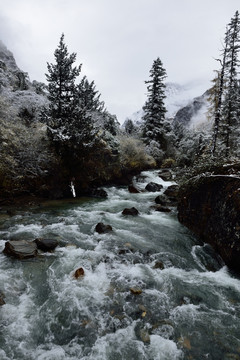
(150, 290)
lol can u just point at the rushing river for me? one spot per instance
(126, 306)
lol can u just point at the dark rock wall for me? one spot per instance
(210, 207)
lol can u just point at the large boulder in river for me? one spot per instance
(162, 200)
(172, 192)
(133, 190)
(20, 249)
(169, 197)
(46, 244)
(153, 187)
(210, 207)
(161, 208)
(102, 228)
(130, 211)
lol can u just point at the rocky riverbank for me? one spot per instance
(210, 207)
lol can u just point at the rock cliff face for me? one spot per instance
(190, 113)
(24, 97)
(210, 207)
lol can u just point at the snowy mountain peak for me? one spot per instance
(178, 97)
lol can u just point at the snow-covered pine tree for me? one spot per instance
(225, 94)
(154, 109)
(70, 125)
(231, 102)
(89, 100)
(129, 127)
(216, 98)
(62, 91)
(89, 97)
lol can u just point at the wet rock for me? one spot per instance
(172, 192)
(125, 251)
(102, 228)
(130, 211)
(120, 316)
(165, 175)
(210, 207)
(144, 335)
(98, 193)
(136, 291)
(159, 265)
(128, 245)
(85, 322)
(153, 187)
(46, 244)
(162, 200)
(133, 190)
(2, 296)
(138, 313)
(79, 273)
(209, 258)
(161, 208)
(20, 249)
(142, 308)
(185, 342)
(169, 197)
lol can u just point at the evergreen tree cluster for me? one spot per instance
(86, 137)
(225, 94)
(72, 107)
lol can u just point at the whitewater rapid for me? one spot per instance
(187, 310)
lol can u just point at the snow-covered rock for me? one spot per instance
(26, 99)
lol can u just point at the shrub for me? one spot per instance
(133, 155)
(168, 163)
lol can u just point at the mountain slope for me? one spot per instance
(182, 105)
(25, 99)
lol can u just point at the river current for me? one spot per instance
(150, 290)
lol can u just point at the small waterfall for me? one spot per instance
(73, 189)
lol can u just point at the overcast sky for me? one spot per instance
(117, 41)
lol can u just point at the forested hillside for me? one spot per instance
(53, 135)
(60, 134)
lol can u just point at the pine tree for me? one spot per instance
(225, 93)
(231, 99)
(129, 127)
(216, 97)
(89, 97)
(70, 125)
(62, 89)
(154, 108)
